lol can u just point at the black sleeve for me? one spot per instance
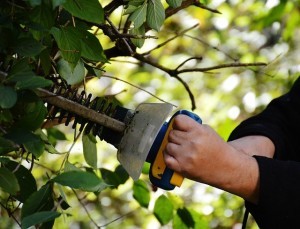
(279, 197)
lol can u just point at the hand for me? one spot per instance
(197, 152)
(193, 149)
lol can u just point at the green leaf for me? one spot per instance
(155, 14)
(33, 83)
(31, 142)
(130, 9)
(91, 47)
(7, 146)
(141, 193)
(70, 167)
(28, 47)
(8, 181)
(68, 42)
(25, 179)
(81, 180)
(72, 76)
(39, 217)
(25, 77)
(116, 178)
(138, 17)
(20, 71)
(40, 200)
(174, 3)
(30, 110)
(43, 17)
(183, 219)
(138, 42)
(35, 2)
(90, 11)
(56, 3)
(8, 97)
(163, 210)
(54, 134)
(90, 149)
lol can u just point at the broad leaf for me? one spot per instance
(68, 42)
(56, 3)
(30, 110)
(174, 3)
(141, 193)
(28, 47)
(7, 146)
(8, 181)
(38, 201)
(90, 149)
(155, 14)
(31, 142)
(90, 10)
(138, 17)
(71, 75)
(138, 42)
(8, 97)
(70, 167)
(33, 83)
(35, 2)
(54, 134)
(91, 47)
(163, 210)
(81, 180)
(38, 218)
(116, 178)
(183, 219)
(25, 179)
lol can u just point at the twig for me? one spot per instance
(230, 65)
(120, 217)
(120, 36)
(10, 215)
(112, 77)
(170, 39)
(214, 47)
(171, 72)
(85, 209)
(192, 58)
(171, 11)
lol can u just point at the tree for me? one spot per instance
(75, 44)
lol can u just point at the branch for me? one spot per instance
(170, 39)
(230, 65)
(112, 77)
(171, 11)
(171, 72)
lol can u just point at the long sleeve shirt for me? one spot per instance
(279, 187)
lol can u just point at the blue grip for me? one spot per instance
(164, 181)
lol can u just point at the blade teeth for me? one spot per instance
(101, 105)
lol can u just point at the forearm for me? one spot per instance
(237, 173)
(254, 145)
(244, 182)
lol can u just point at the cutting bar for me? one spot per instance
(80, 110)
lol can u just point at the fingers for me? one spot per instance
(184, 123)
(169, 157)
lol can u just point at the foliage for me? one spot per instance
(155, 48)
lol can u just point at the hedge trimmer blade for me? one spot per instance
(140, 135)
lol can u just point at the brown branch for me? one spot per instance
(170, 39)
(171, 11)
(112, 77)
(172, 73)
(230, 65)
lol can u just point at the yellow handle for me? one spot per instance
(159, 166)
